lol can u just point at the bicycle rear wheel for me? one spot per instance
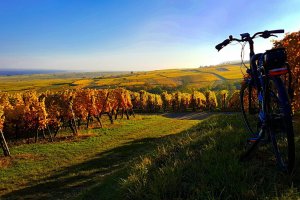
(250, 108)
(280, 124)
(250, 111)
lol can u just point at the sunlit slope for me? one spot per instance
(171, 78)
(17, 84)
(55, 81)
(196, 77)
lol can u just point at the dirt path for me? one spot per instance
(194, 115)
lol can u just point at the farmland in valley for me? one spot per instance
(169, 79)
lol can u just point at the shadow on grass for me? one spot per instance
(101, 172)
(205, 165)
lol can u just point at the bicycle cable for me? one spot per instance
(242, 57)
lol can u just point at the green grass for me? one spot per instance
(204, 164)
(66, 168)
(149, 157)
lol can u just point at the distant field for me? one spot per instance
(54, 81)
(172, 78)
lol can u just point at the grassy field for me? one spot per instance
(204, 164)
(68, 167)
(149, 157)
(172, 78)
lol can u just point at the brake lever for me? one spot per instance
(273, 35)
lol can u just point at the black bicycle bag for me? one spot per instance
(275, 63)
(275, 58)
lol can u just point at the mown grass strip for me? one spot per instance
(66, 168)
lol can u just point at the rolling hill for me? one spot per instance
(167, 79)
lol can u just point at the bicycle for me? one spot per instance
(265, 103)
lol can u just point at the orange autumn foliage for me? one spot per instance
(291, 42)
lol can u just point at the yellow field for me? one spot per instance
(21, 85)
(191, 78)
(133, 83)
(166, 82)
(108, 82)
(228, 72)
(82, 82)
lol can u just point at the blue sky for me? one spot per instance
(133, 34)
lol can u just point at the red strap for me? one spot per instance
(276, 72)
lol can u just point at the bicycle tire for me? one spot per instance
(251, 122)
(245, 90)
(286, 161)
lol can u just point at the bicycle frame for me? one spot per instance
(259, 80)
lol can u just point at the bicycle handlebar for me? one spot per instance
(266, 34)
(222, 44)
(246, 37)
(277, 31)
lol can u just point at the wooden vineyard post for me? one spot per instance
(223, 101)
(4, 144)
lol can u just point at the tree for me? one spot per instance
(291, 42)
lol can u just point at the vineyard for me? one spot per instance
(28, 114)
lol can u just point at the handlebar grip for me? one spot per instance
(222, 44)
(277, 31)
